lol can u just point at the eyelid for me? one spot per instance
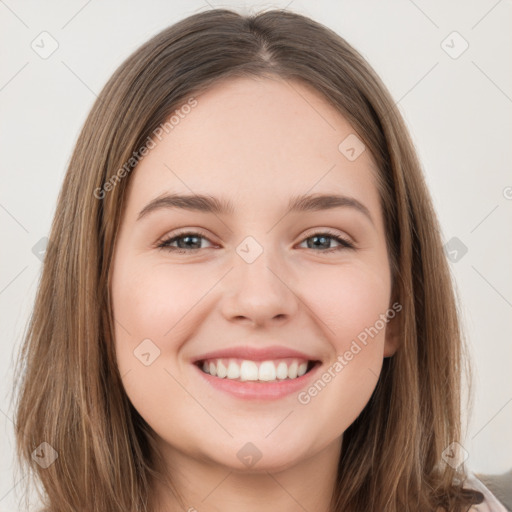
(331, 232)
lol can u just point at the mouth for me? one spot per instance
(266, 371)
(256, 373)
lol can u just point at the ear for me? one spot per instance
(392, 339)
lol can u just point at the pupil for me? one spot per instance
(187, 238)
(324, 240)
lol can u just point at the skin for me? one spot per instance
(255, 142)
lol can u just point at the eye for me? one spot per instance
(190, 241)
(185, 240)
(322, 239)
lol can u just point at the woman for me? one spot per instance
(255, 372)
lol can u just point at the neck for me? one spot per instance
(208, 487)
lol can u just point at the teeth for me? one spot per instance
(282, 370)
(233, 370)
(267, 371)
(246, 370)
(292, 370)
(222, 371)
(302, 369)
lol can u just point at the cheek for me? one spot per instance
(349, 300)
(352, 303)
(153, 306)
(153, 300)
(153, 309)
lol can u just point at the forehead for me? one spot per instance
(256, 140)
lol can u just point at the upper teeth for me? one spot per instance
(243, 369)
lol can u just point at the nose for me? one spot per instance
(259, 293)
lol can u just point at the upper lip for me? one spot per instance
(255, 354)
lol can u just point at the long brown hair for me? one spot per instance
(71, 394)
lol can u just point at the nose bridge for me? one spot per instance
(258, 288)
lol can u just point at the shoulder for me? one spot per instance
(490, 503)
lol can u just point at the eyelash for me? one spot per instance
(164, 244)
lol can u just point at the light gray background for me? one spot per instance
(458, 111)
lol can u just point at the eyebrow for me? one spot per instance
(220, 206)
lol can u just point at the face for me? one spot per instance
(259, 290)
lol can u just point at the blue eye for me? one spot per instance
(324, 238)
(189, 241)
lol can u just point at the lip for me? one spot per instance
(262, 391)
(255, 354)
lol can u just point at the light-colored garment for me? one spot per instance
(490, 503)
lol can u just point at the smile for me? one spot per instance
(243, 370)
(260, 384)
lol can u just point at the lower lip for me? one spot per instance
(252, 390)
